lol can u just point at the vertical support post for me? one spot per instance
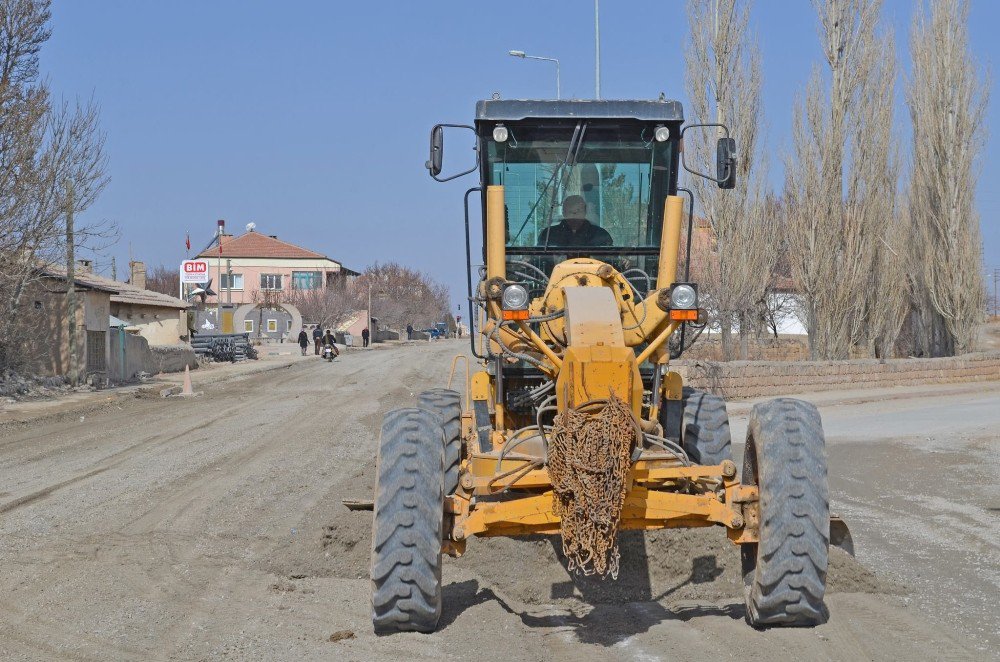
(670, 240)
(496, 233)
(229, 281)
(71, 303)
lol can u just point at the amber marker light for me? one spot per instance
(684, 314)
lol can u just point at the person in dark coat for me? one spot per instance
(303, 341)
(365, 334)
(317, 338)
(409, 332)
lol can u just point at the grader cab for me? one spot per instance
(574, 423)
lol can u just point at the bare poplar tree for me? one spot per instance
(947, 102)
(45, 150)
(838, 238)
(724, 86)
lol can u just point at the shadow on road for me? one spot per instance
(614, 609)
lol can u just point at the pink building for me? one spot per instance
(260, 264)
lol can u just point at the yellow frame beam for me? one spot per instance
(643, 509)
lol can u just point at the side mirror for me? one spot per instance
(725, 163)
(436, 161)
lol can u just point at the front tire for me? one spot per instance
(447, 406)
(785, 573)
(408, 523)
(705, 428)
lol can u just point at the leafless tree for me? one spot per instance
(327, 306)
(164, 279)
(841, 241)
(724, 86)
(947, 102)
(402, 296)
(46, 150)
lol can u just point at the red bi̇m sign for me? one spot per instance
(194, 271)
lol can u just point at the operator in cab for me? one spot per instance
(574, 229)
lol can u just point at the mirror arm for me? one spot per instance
(695, 172)
(465, 172)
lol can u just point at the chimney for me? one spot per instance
(138, 278)
(85, 266)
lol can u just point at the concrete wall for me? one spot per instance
(158, 325)
(751, 379)
(46, 342)
(140, 356)
(172, 358)
(126, 362)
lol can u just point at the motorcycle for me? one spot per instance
(330, 352)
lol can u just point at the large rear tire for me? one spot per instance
(705, 428)
(447, 406)
(407, 524)
(785, 573)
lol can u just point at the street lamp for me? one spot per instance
(524, 56)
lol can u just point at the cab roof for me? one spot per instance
(519, 109)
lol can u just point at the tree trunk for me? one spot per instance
(744, 337)
(726, 332)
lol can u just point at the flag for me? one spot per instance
(187, 241)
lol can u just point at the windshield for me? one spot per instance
(581, 186)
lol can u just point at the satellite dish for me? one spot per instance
(251, 226)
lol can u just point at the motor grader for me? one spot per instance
(573, 423)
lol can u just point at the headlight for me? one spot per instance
(500, 133)
(515, 297)
(683, 296)
(661, 134)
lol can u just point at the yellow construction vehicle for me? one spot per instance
(574, 422)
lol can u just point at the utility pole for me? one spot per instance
(71, 307)
(597, 49)
(218, 295)
(229, 281)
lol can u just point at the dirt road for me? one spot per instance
(212, 528)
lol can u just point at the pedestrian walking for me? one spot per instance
(409, 331)
(364, 336)
(317, 338)
(303, 340)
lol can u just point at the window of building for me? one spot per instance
(248, 326)
(288, 325)
(237, 281)
(272, 326)
(270, 281)
(307, 280)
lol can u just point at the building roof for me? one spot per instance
(120, 292)
(257, 244)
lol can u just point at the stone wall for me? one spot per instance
(172, 358)
(751, 379)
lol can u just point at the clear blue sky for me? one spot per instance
(311, 118)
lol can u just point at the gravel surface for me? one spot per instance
(209, 528)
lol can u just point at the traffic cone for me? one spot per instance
(186, 391)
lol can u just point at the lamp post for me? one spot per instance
(525, 56)
(597, 49)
